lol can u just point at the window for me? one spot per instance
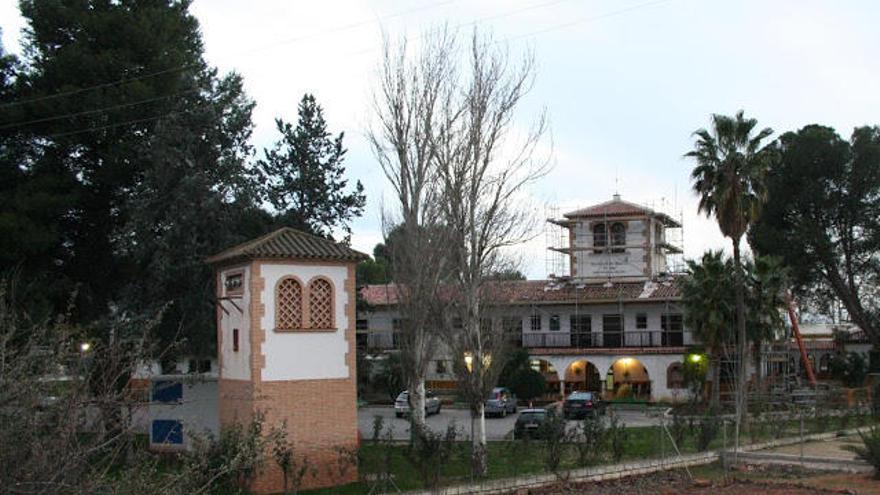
(234, 340)
(600, 237)
(554, 323)
(512, 328)
(440, 367)
(612, 326)
(288, 305)
(167, 391)
(362, 324)
(167, 431)
(199, 365)
(675, 376)
(535, 323)
(672, 330)
(581, 326)
(641, 321)
(618, 237)
(320, 304)
(234, 282)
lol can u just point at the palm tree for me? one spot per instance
(732, 163)
(709, 309)
(767, 281)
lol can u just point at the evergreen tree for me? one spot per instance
(304, 175)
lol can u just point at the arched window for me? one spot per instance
(618, 237)
(675, 376)
(320, 304)
(288, 305)
(600, 236)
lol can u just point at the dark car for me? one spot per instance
(582, 405)
(501, 402)
(529, 423)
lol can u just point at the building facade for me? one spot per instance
(613, 326)
(286, 346)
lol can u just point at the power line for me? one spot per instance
(118, 124)
(182, 68)
(290, 40)
(99, 110)
(503, 40)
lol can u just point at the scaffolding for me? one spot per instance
(560, 244)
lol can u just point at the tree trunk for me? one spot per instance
(742, 348)
(416, 408)
(758, 370)
(715, 400)
(479, 454)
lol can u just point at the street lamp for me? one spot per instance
(85, 347)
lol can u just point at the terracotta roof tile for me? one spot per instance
(287, 242)
(615, 207)
(548, 292)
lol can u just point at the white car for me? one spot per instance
(401, 404)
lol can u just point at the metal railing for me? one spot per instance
(648, 338)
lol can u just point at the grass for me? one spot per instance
(512, 458)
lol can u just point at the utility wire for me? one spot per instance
(503, 40)
(182, 68)
(287, 41)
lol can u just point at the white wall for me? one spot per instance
(236, 365)
(629, 264)
(198, 409)
(305, 355)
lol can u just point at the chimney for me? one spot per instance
(616, 196)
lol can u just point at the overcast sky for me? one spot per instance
(625, 82)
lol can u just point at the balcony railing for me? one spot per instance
(605, 340)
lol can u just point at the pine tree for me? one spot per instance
(304, 175)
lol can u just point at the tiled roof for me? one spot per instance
(548, 292)
(614, 208)
(287, 242)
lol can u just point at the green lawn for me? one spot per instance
(512, 458)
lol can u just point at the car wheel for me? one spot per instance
(438, 408)
(514, 409)
(399, 415)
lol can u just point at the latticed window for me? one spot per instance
(288, 305)
(320, 304)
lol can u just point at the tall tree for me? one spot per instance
(709, 301)
(304, 175)
(732, 163)
(484, 168)
(823, 219)
(709, 311)
(133, 165)
(407, 99)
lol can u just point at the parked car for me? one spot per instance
(401, 404)
(529, 423)
(583, 404)
(501, 401)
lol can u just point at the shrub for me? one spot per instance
(707, 430)
(592, 441)
(870, 450)
(617, 437)
(679, 429)
(554, 436)
(430, 452)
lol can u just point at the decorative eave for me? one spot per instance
(288, 243)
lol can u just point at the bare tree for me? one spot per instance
(484, 166)
(406, 106)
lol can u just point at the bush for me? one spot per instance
(430, 452)
(679, 429)
(592, 441)
(617, 437)
(870, 450)
(707, 430)
(555, 437)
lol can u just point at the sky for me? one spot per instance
(625, 82)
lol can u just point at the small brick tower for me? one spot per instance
(286, 345)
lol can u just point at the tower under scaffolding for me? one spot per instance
(661, 241)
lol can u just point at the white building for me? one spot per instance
(614, 325)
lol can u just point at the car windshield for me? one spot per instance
(580, 396)
(403, 396)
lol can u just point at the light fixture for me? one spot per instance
(696, 358)
(85, 347)
(469, 361)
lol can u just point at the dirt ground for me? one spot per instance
(751, 480)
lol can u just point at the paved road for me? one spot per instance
(496, 428)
